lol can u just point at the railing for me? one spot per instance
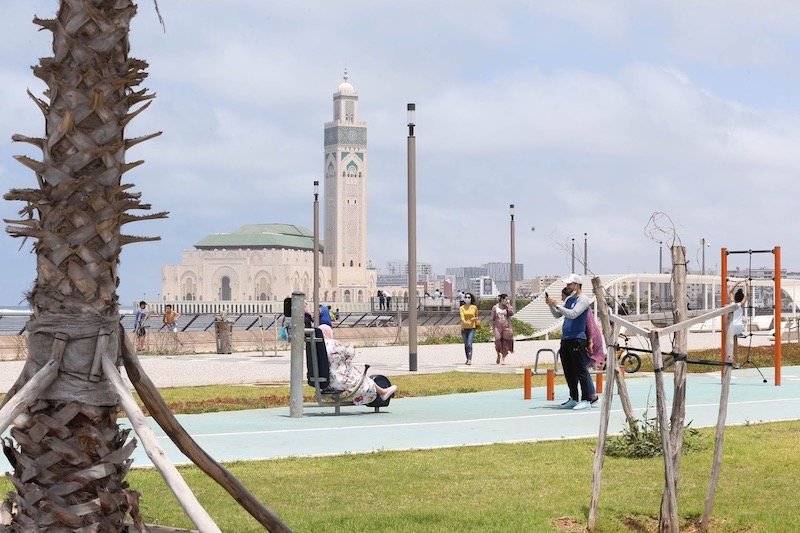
(14, 322)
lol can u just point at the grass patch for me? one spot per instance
(498, 488)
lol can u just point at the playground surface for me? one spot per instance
(432, 422)
(467, 419)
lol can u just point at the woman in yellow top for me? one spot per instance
(469, 322)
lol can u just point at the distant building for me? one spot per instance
(270, 261)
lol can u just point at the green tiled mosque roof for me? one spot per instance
(259, 236)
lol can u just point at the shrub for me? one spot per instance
(643, 440)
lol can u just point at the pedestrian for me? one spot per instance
(170, 319)
(139, 327)
(382, 300)
(388, 301)
(469, 324)
(501, 328)
(574, 343)
(325, 315)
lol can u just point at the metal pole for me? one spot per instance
(296, 360)
(573, 254)
(513, 263)
(261, 329)
(585, 253)
(412, 241)
(660, 257)
(315, 291)
(703, 264)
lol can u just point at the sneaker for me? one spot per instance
(581, 405)
(595, 403)
(569, 404)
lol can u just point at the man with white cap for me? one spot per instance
(574, 343)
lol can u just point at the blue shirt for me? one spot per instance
(324, 315)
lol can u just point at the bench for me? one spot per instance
(319, 376)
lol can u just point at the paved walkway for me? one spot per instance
(252, 367)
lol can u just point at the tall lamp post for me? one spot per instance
(315, 312)
(513, 262)
(412, 240)
(585, 253)
(573, 254)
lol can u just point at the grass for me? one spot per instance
(498, 488)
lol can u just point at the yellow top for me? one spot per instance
(469, 316)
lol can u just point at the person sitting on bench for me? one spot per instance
(346, 377)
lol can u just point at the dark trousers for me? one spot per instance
(573, 356)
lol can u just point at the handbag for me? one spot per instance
(478, 324)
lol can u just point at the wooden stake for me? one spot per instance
(720, 433)
(680, 344)
(171, 476)
(162, 414)
(670, 521)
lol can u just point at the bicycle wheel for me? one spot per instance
(631, 362)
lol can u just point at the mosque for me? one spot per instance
(267, 262)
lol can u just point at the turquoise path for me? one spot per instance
(466, 419)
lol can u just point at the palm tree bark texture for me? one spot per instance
(69, 455)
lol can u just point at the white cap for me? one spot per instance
(573, 278)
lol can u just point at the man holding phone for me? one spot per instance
(574, 344)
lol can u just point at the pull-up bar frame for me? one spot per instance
(778, 303)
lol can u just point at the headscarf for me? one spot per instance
(327, 331)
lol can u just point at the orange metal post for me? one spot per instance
(551, 384)
(526, 387)
(778, 324)
(599, 386)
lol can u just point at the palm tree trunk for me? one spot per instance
(70, 457)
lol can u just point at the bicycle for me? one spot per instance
(626, 358)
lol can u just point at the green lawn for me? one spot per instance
(501, 488)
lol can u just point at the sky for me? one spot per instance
(596, 118)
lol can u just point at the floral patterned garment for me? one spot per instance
(345, 377)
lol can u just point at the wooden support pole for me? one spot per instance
(668, 522)
(526, 387)
(169, 472)
(186, 444)
(605, 407)
(680, 343)
(27, 394)
(30, 389)
(720, 433)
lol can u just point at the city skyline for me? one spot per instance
(589, 117)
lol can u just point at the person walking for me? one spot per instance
(574, 344)
(501, 328)
(469, 323)
(139, 328)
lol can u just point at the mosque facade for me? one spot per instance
(270, 261)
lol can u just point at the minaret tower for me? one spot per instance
(345, 196)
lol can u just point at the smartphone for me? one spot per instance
(546, 296)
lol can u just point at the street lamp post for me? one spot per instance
(585, 253)
(573, 254)
(315, 311)
(412, 240)
(513, 262)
